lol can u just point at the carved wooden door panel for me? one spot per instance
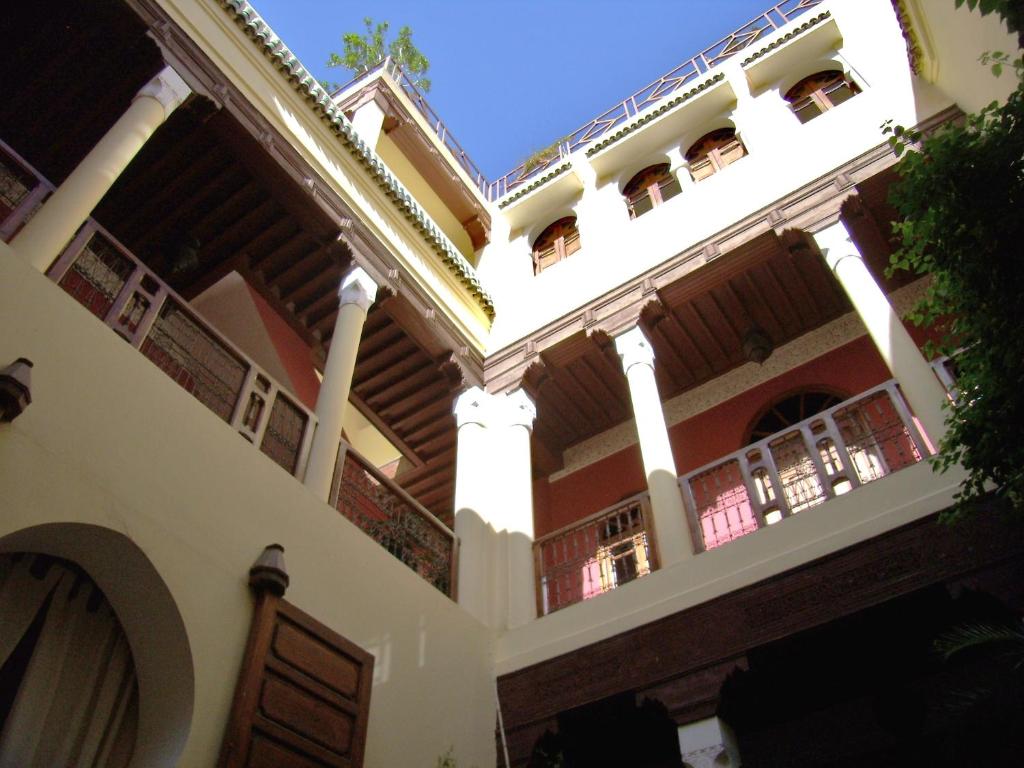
(303, 696)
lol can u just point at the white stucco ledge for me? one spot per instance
(865, 513)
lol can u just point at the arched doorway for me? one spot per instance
(69, 694)
(149, 616)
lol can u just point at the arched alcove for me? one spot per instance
(151, 621)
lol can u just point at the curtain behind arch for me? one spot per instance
(61, 643)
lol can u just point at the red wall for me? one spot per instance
(719, 431)
(293, 352)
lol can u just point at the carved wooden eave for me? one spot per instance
(435, 166)
(807, 209)
(366, 249)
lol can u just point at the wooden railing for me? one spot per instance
(851, 444)
(109, 281)
(594, 555)
(691, 69)
(22, 190)
(394, 519)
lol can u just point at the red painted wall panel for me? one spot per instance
(719, 431)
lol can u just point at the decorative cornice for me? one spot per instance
(786, 38)
(656, 112)
(558, 171)
(319, 101)
(914, 52)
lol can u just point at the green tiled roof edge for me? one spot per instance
(660, 110)
(320, 101)
(786, 38)
(534, 184)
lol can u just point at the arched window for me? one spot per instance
(559, 241)
(713, 151)
(789, 411)
(649, 189)
(820, 92)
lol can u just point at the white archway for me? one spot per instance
(151, 621)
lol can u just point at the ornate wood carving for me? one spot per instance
(681, 656)
(303, 694)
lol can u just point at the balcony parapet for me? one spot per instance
(386, 513)
(115, 286)
(829, 454)
(643, 99)
(398, 76)
(595, 555)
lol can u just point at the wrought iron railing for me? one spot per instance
(851, 444)
(669, 83)
(22, 190)
(394, 519)
(107, 279)
(437, 125)
(594, 555)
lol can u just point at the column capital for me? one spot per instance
(473, 406)
(835, 244)
(634, 348)
(476, 406)
(520, 410)
(168, 88)
(357, 287)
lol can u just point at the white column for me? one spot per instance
(897, 348)
(708, 743)
(472, 496)
(355, 295)
(599, 208)
(53, 226)
(494, 507)
(515, 466)
(679, 167)
(368, 120)
(672, 531)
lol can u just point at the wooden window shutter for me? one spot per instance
(303, 694)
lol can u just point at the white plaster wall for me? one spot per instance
(784, 155)
(952, 40)
(111, 441)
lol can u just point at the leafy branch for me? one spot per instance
(362, 52)
(959, 199)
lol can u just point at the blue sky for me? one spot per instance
(509, 77)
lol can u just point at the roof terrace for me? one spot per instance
(669, 83)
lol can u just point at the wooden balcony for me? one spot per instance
(831, 453)
(595, 555)
(394, 519)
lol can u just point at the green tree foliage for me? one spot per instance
(960, 200)
(1012, 12)
(364, 51)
